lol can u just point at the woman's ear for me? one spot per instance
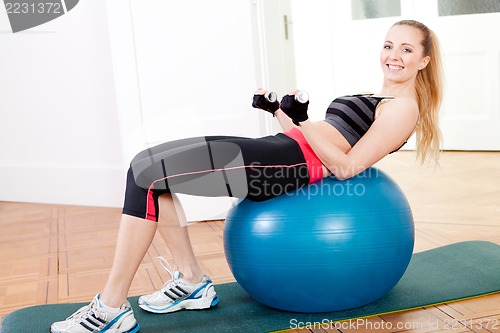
(424, 62)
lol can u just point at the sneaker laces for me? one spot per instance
(86, 311)
(174, 280)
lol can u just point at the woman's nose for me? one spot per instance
(394, 55)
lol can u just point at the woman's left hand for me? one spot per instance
(295, 105)
(261, 102)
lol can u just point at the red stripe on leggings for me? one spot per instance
(313, 162)
(150, 206)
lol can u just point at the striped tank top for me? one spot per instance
(353, 115)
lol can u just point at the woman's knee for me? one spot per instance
(146, 170)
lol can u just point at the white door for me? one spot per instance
(274, 47)
(470, 115)
(183, 69)
(470, 44)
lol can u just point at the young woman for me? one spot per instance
(358, 131)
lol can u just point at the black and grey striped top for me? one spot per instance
(353, 115)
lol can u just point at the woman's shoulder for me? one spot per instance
(402, 105)
(397, 102)
(400, 102)
(368, 95)
(359, 96)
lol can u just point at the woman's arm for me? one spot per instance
(392, 127)
(284, 121)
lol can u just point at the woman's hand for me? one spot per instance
(295, 105)
(265, 100)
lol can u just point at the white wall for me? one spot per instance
(59, 131)
(70, 113)
(314, 53)
(184, 69)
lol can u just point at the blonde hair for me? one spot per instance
(429, 91)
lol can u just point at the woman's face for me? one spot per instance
(402, 55)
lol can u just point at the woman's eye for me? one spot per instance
(407, 50)
(387, 47)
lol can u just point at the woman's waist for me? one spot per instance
(330, 135)
(316, 168)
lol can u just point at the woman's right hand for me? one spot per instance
(262, 101)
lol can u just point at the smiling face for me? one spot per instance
(403, 54)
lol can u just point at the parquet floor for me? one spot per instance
(58, 254)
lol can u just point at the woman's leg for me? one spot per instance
(172, 226)
(110, 311)
(258, 169)
(188, 287)
(134, 238)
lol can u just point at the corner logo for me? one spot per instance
(25, 14)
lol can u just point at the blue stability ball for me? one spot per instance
(330, 246)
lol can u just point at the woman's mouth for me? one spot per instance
(394, 67)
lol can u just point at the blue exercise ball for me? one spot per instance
(332, 245)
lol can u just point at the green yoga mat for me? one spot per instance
(448, 273)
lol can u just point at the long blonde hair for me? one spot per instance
(429, 91)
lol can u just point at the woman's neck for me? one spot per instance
(405, 89)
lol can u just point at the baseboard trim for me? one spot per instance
(72, 185)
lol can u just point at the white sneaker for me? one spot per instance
(178, 294)
(94, 318)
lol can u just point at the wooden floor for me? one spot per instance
(58, 254)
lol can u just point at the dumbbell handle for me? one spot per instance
(301, 96)
(271, 96)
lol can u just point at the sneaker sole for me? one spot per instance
(134, 329)
(195, 304)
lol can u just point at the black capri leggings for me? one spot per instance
(257, 169)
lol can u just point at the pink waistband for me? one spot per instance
(314, 165)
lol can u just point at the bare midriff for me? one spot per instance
(331, 136)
